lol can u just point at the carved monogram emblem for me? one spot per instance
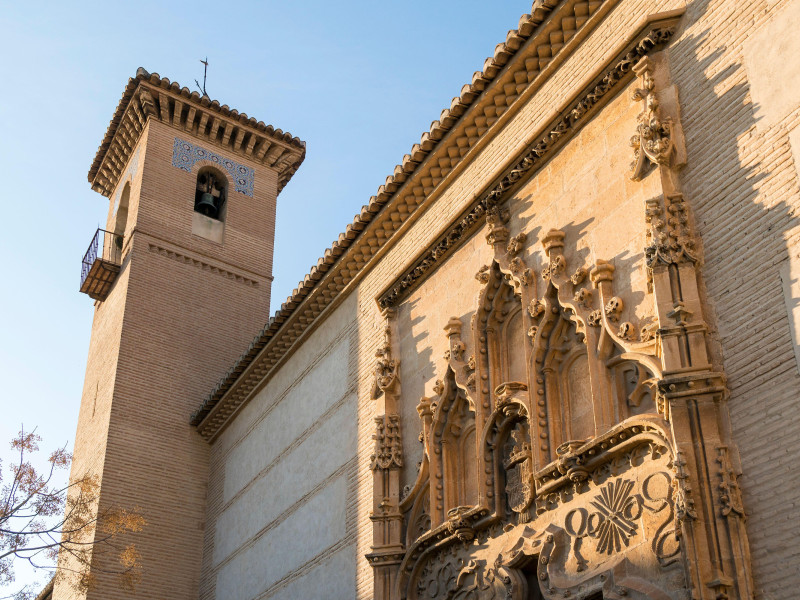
(617, 511)
(613, 522)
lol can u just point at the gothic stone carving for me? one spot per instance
(386, 462)
(635, 507)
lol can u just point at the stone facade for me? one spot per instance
(554, 357)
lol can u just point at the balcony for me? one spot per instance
(101, 264)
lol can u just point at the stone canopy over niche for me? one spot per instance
(560, 448)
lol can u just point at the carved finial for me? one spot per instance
(553, 240)
(669, 238)
(578, 276)
(627, 331)
(653, 141)
(386, 366)
(555, 267)
(516, 244)
(583, 297)
(388, 443)
(601, 271)
(496, 218)
(535, 308)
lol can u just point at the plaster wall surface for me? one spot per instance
(282, 476)
(270, 558)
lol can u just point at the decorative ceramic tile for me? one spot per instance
(133, 166)
(186, 154)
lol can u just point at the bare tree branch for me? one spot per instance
(62, 529)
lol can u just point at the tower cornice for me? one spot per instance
(149, 96)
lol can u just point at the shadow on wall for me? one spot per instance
(413, 378)
(731, 181)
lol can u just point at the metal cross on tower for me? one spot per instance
(205, 73)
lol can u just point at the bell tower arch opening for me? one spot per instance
(211, 193)
(121, 218)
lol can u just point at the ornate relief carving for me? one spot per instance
(517, 461)
(455, 577)
(614, 521)
(388, 443)
(681, 493)
(690, 394)
(669, 238)
(730, 495)
(386, 462)
(653, 141)
(587, 468)
(386, 366)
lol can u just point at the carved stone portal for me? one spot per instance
(562, 457)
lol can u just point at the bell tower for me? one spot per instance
(181, 277)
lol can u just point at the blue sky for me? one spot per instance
(358, 81)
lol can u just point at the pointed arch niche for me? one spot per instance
(451, 450)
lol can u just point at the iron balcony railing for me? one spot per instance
(101, 262)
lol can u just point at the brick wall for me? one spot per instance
(742, 184)
(182, 310)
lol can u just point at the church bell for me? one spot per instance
(207, 205)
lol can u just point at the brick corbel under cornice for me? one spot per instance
(149, 96)
(346, 262)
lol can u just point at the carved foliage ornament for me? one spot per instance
(669, 238)
(653, 141)
(388, 443)
(386, 366)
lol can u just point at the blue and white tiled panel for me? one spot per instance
(186, 154)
